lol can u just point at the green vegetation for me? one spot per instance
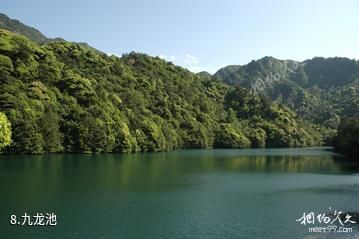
(347, 139)
(63, 97)
(320, 90)
(33, 34)
(5, 131)
(20, 28)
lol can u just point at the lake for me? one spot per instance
(229, 193)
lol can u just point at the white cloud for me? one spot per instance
(188, 61)
(168, 58)
(112, 54)
(173, 58)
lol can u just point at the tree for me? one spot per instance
(5, 131)
(347, 139)
(230, 137)
(49, 126)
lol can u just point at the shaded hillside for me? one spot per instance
(320, 90)
(204, 74)
(33, 34)
(20, 28)
(224, 74)
(347, 139)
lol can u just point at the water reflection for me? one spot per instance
(151, 170)
(201, 189)
(238, 160)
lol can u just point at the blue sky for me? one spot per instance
(200, 34)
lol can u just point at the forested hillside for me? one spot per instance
(320, 90)
(58, 96)
(347, 139)
(63, 97)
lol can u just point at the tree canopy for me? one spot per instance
(63, 97)
(5, 131)
(347, 139)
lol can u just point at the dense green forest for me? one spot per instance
(347, 139)
(63, 97)
(323, 91)
(320, 90)
(57, 96)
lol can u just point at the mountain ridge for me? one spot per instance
(311, 88)
(101, 103)
(32, 33)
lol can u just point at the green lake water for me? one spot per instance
(248, 193)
